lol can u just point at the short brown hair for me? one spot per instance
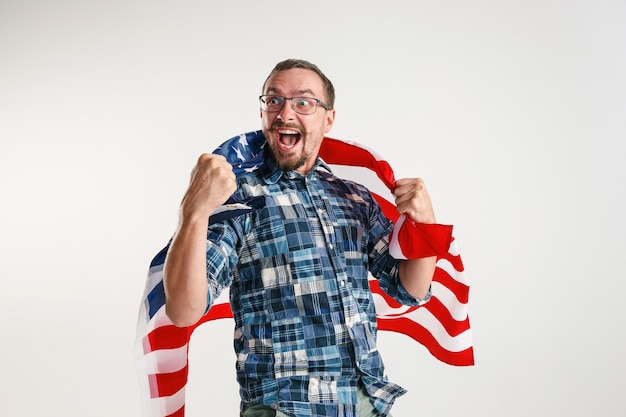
(300, 63)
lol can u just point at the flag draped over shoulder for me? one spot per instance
(441, 325)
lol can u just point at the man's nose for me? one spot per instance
(287, 112)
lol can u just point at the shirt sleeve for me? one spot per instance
(383, 266)
(221, 257)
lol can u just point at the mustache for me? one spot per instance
(279, 125)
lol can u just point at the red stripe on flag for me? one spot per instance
(166, 384)
(165, 337)
(420, 334)
(460, 290)
(452, 326)
(335, 151)
(218, 311)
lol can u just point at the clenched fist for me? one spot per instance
(212, 183)
(413, 200)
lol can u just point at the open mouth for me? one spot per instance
(288, 139)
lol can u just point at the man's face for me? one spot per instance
(294, 138)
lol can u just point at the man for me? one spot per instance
(305, 324)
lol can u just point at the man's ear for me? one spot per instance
(329, 120)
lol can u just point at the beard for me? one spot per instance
(288, 164)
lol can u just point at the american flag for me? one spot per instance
(441, 325)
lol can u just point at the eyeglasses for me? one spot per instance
(301, 105)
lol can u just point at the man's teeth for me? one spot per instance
(288, 132)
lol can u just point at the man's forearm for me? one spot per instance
(184, 274)
(416, 275)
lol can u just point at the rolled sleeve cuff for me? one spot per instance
(407, 299)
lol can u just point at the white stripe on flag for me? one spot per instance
(164, 406)
(426, 319)
(164, 361)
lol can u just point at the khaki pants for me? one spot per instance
(364, 408)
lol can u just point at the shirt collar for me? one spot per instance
(272, 174)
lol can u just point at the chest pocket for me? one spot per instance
(349, 228)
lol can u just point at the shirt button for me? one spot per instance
(330, 246)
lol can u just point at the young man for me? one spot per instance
(305, 324)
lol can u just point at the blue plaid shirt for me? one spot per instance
(305, 320)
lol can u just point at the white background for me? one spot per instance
(514, 113)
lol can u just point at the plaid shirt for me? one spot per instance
(305, 319)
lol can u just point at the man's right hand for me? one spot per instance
(212, 183)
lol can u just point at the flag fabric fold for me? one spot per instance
(441, 325)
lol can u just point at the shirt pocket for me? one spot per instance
(267, 238)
